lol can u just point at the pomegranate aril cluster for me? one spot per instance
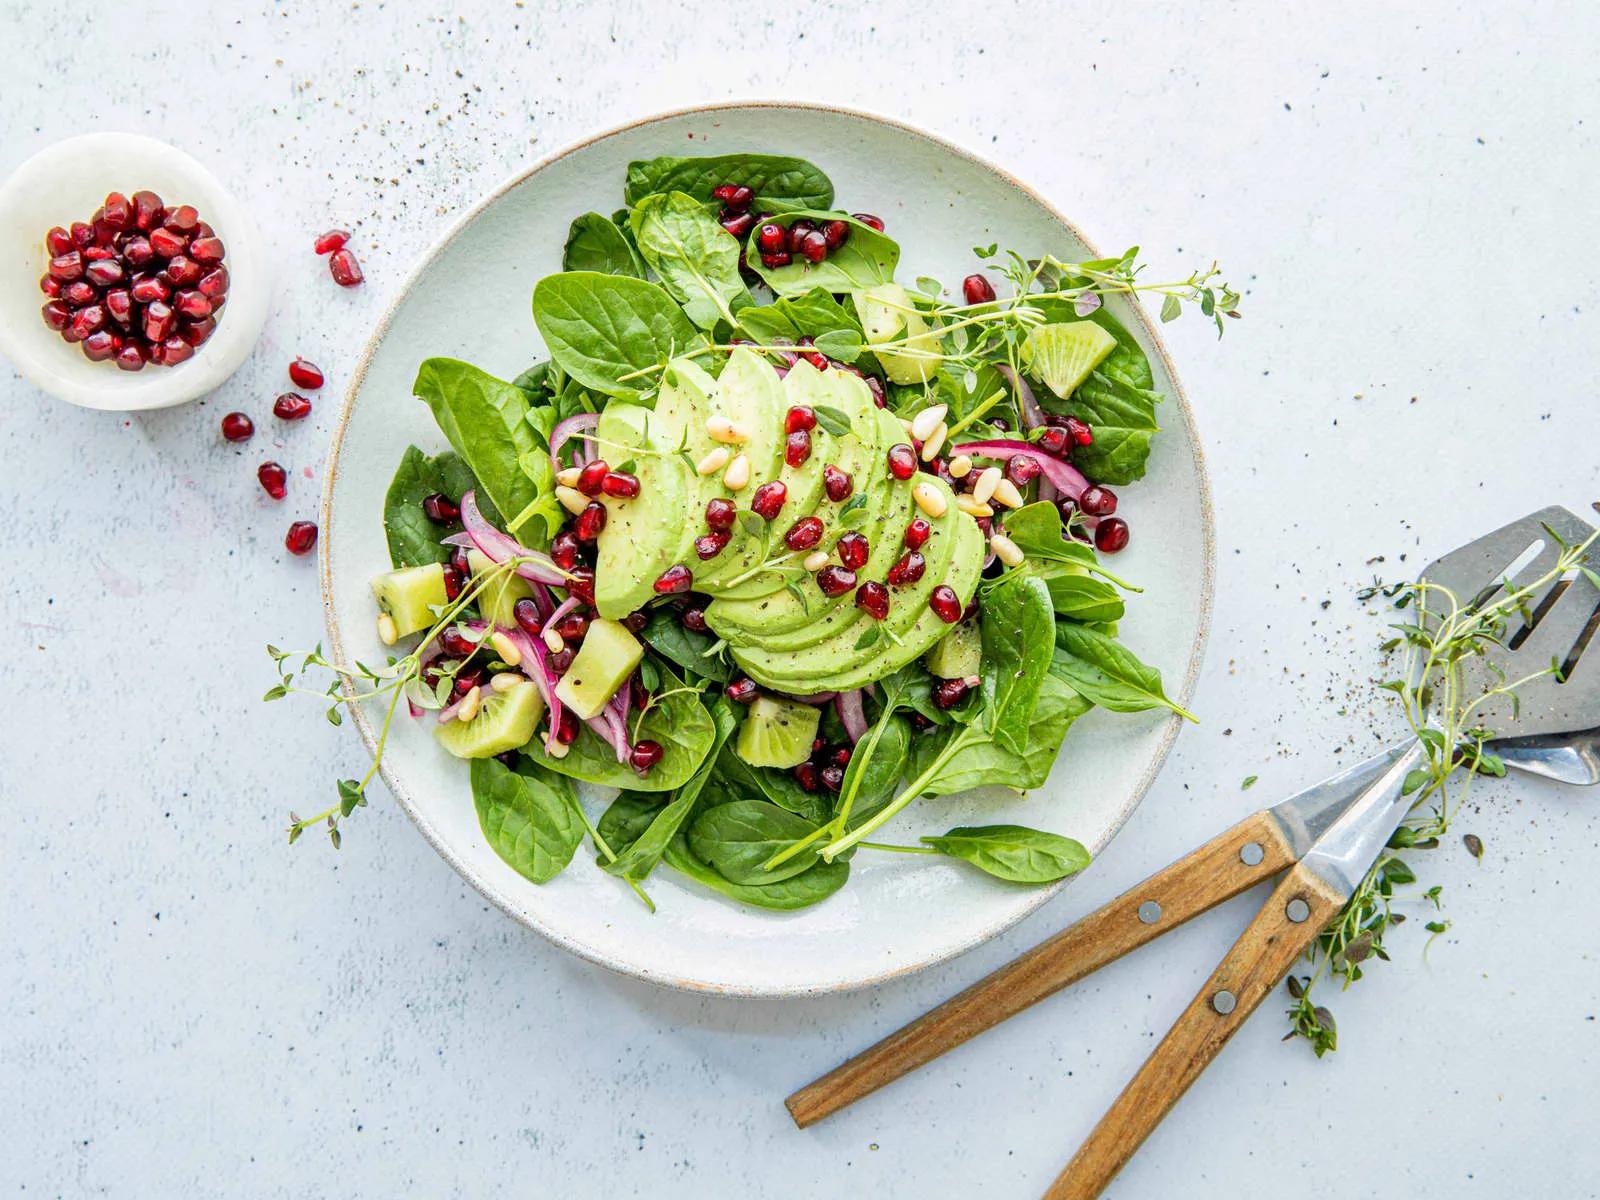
(138, 282)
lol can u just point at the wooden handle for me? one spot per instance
(1299, 908)
(1251, 851)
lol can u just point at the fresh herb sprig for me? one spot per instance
(1448, 720)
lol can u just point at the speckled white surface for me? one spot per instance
(188, 1007)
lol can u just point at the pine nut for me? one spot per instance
(504, 681)
(973, 508)
(988, 480)
(815, 561)
(568, 476)
(470, 703)
(1006, 492)
(571, 499)
(935, 442)
(1006, 550)
(959, 467)
(553, 641)
(737, 476)
(558, 750)
(506, 649)
(713, 462)
(926, 421)
(929, 499)
(725, 429)
(388, 634)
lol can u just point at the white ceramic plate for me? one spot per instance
(469, 299)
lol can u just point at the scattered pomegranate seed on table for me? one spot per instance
(1097, 501)
(344, 268)
(274, 479)
(291, 406)
(304, 374)
(301, 537)
(333, 240)
(237, 427)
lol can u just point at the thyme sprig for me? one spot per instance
(1449, 721)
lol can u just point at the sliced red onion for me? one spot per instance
(537, 668)
(499, 546)
(462, 539)
(855, 720)
(1032, 414)
(1048, 491)
(448, 713)
(561, 610)
(584, 423)
(817, 698)
(610, 727)
(1068, 480)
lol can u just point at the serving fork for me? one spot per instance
(1327, 837)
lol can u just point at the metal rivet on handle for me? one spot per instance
(1297, 910)
(1251, 854)
(1223, 1002)
(1149, 912)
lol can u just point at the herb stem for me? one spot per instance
(897, 849)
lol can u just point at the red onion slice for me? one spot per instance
(1066, 478)
(1032, 414)
(578, 423)
(850, 712)
(817, 698)
(499, 546)
(537, 668)
(561, 610)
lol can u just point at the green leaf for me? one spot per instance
(594, 243)
(737, 779)
(882, 769)
(803, 890)
(736, 838)
(1171, 309)
(1107, 672)
(843, 345)
(780, 182)
(1079, 596)
(1415, 779)
(600, 328)
(983, 763)
(1128, 362)
(528, 816)
(666, 635)
(1124, 420)
(1014, 852)
(1018, 630)
(697, 259)
(350, 797)
(485, 420)
(866, 259)
(833, 420)
(810, 314)
(1036, 529)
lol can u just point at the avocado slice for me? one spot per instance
(409, 595)
(643, 535)
(958, 654)
(605, 660)
(884, 319)
(498, 600)
(777, 733)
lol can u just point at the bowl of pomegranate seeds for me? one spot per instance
(130, 277)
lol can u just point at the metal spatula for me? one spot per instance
(1328, 835)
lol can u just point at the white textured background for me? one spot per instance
(190, 1008)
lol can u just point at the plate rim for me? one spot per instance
(507, 904)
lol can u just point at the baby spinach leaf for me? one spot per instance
(983, 762)
(528, 816)
(808, 314)
(736, 838)
(485, 420)
(1107, 672)
(666, 635)
(1124, 420)
(1014, 852)
(1018, 627)
(1081, 597)
(594, 243)
(779, 181)
(697, 259)
(881, 772)
(1036, 529)
(413, 538)
(738, 779)
(628, 816)
(600, 328)
(807, 888)
(866, 259)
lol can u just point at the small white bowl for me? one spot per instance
(66, 182)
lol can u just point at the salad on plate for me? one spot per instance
(773, 543)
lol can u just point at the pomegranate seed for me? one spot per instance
(67, 267)
(620, 484)
(130, 357)
(274, 480)
(301, 373)
(175, 350)
(909, 569)
(57, 241)
(193, 305)
(468, 678)
(196, 332)
(119, 304)
(237, 427)
(853, 549)
(453, 581)
(741, 198)
(709, 545)
(948, 693)
(694, 620)
(836, 233)
(1097, 501)
(56, 315)
(977, 290)
(181, 271)
(567, 730)
(183, 218)
(674, 581)
(453, 641)
(440, 509)
(768, 499)
(806, 776)
(207, 251)
(646, 754)
(79, 292)
(159, 320)
(741, 690)
(872, 598)
(1023, 469)
(770, 238)
(917, 534)
(136, 252)
(868, 220)
(797, 233)
(737, 223)
(291, 406)
(333, 240)
(167, 244)
(837, 483)
(946, 604)
(82, 234)
(146, 211)
(835, 581)
(720, 515)
(564, 550)
(799, 419)
(1111, 535)
(1082, 435)
(525, 613)
(50, 287)
(1054, 440)
(833, 778)
(797, 448)
(149, 289)
(98, 347)
(98, 253)
(117, 212)
(104, 272)
(573, 626)
(776, 258)
(902, 461)
(301, 537)
(87, 320)
(590, 521)
(816, 358)
(804, 533)
(344, 268)
(814, 246)
(214, 287)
